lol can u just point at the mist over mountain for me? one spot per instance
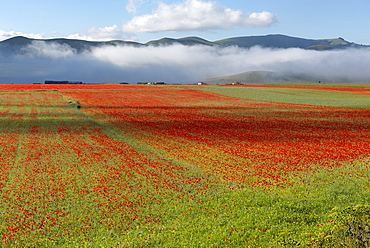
(184, 60)
(268, 41)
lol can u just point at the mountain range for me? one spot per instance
(15, 44)
(18, 46)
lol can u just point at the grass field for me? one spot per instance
(352, 97)
(184, 166)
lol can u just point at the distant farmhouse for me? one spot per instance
(62, 82)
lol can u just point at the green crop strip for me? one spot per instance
(295, 96)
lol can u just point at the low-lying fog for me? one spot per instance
(175, 64)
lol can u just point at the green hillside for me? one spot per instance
(269, 77)
(261, 77)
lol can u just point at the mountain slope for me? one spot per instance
(269, 41)
(15, 44)
(258, 77)
(283, 41)
(188, 41)
(269, 77)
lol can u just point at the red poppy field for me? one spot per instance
(181, 166)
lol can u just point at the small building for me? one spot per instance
(62, 82)
(55, 82)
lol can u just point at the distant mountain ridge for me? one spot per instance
(270, 41)
(15, 44)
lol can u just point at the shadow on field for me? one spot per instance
(44, 125)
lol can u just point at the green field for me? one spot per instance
(296, 96)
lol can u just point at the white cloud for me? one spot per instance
(105, 34)
(93, 34)
(111, 33)
(197, 15)
(132, 5)
(178, 63)
(47, 50)
(79, 37)
(9, 34)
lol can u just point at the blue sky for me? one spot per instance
(144, 20)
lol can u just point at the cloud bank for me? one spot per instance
(195, 15)
(176, 63)
(9, 34)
